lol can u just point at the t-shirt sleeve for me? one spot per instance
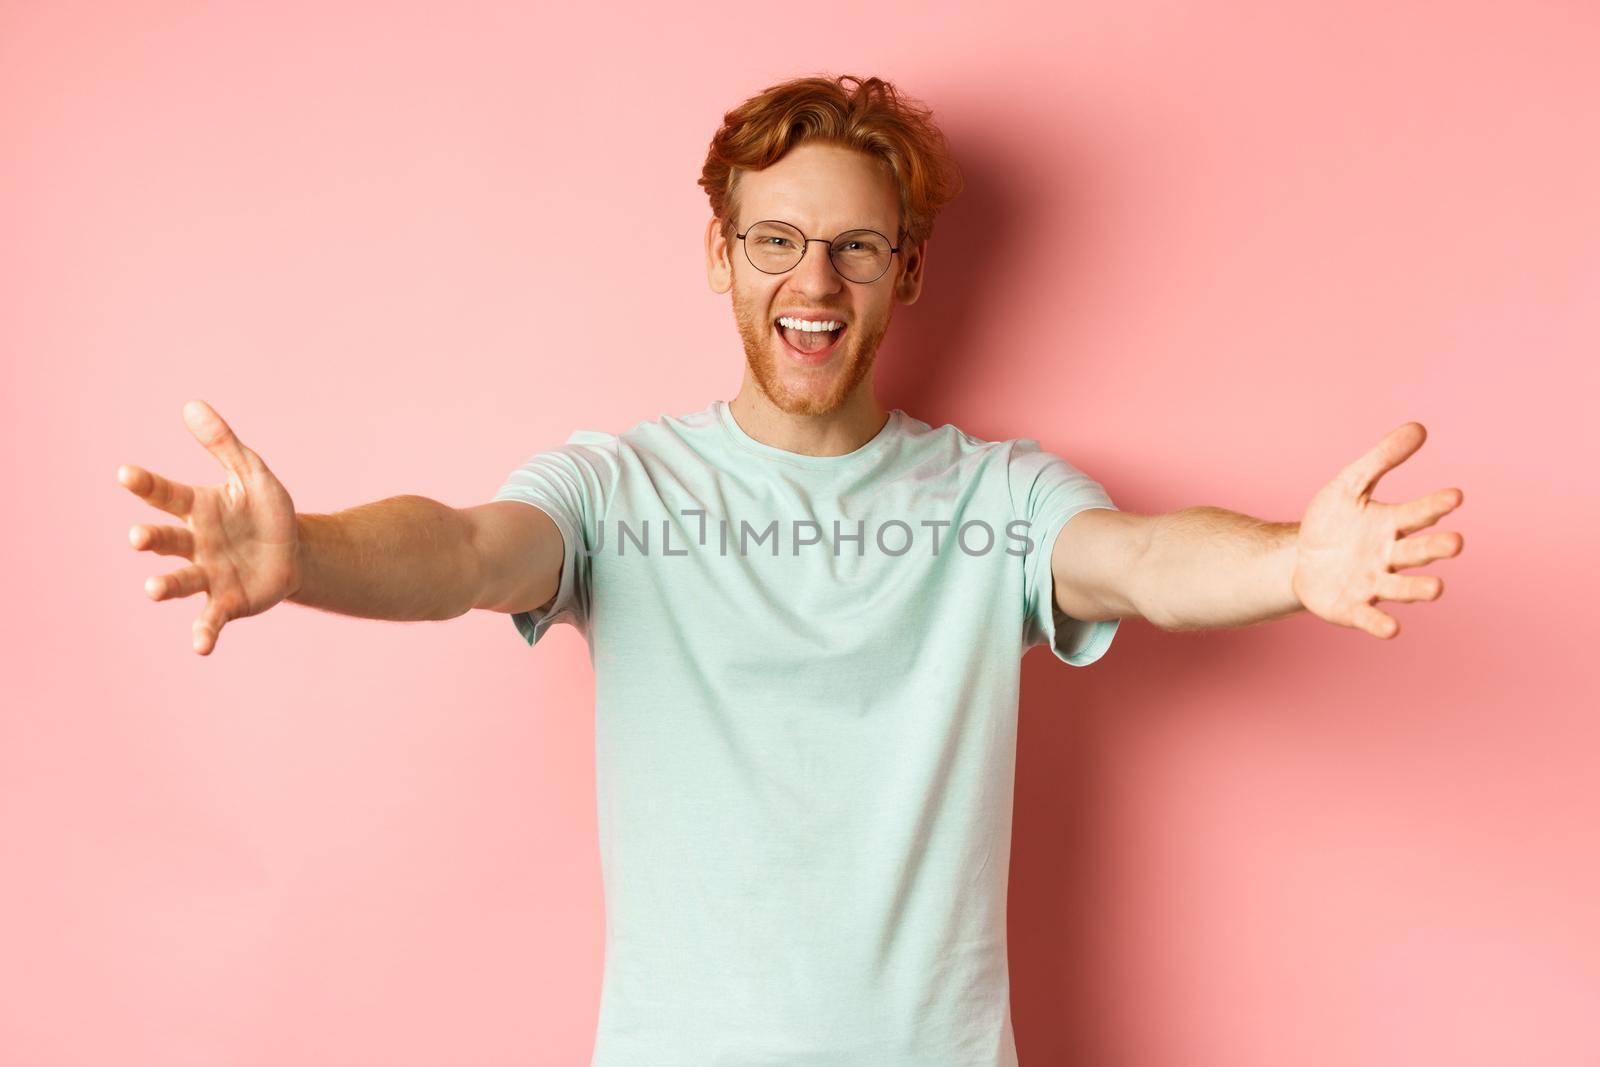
(1047, 491)
(571, 483)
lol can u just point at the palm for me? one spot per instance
(1350, 545)
(240, 537)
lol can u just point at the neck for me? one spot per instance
(835, 433)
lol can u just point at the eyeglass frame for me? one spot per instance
(805, 246)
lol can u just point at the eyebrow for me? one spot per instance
(802, 229)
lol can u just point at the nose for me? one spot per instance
(815, 275)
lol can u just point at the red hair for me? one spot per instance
(871, 117)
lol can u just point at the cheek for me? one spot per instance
(752, 298)
(877, 312)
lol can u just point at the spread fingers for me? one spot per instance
(182, 582)
(172, 497)
(163, 540)
(1419, 549)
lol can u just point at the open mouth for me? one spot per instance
(808, 343)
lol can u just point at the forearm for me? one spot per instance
(404, 558)
(1208, 567)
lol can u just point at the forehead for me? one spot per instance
(822, 188)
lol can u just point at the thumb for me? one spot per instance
(217, 437)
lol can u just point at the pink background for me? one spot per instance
(1210, 253)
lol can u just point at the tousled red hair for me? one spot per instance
(872, 117)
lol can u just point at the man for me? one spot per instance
(806, 616)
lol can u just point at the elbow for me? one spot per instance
(1150, 611)
(1146, 587)
(470, 568)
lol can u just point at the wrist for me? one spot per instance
(299, 561)
(1289, 549)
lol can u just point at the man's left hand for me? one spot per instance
(1350, 545)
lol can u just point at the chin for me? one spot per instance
(804, 401)
(811, 391)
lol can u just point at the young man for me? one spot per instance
(806, 616)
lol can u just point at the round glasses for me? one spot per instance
(776, 247)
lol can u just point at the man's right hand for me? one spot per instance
(241, 537)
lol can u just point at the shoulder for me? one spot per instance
(661, 434)
(1033, 478)
(1012, 451)
(949, 444)
(644, 438)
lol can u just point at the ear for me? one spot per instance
(719, 267)
(908, 284)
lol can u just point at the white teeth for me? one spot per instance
(808, 327)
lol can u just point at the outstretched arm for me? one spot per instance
(1208, 567)
(403, 558)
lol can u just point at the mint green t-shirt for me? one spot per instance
(806, 677)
